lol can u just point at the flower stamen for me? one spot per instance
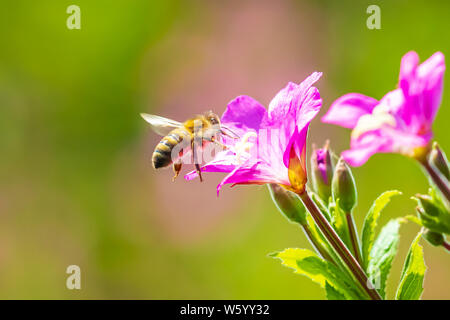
(377, 119)
(244, 146)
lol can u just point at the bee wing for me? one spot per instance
(161, 125)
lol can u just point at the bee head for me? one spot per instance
(212, 117)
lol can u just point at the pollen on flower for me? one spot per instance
(296, 173)
(420, 153)
(377, 119)
(244, 146)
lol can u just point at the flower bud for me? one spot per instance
(433, 214)
(288, 203)
(439, 160)
(322, 172)
(434, 238)
(343, 186)
(428, 205)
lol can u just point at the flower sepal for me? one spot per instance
(288, 203)
(433, 213)
(439, 160)
(436, 239)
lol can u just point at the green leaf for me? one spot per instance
(325, 244)
(307, 263)
(321, 205)
(382, 254)
(332, 293)
(339, 223)
(413, 219)
(317, 234)
(370, 223)
(413, 274)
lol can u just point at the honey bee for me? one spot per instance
(192, 134)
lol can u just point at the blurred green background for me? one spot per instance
(76, 183)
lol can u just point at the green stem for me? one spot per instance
(354, 237)
(437, 178)
(339, 246)
(316, 244)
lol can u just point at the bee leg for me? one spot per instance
(197, 168)
(213, 139)
(177, 164)
(176, 168)
(225, 133)
(194, 160)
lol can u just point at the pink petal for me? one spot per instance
(422, 87)
(404, 142)
(244, 113)
(347, 110)
(224, 161)
(431, 73)
(429, 66)
(310, 102)
(365, 146)
(298, 140)
(320, 156)
(310, 107)
(408, 68)
(290, 99)
(258, 173)
(393, 101)
(383, 140)
(271, 146)
(358, 156)
(310, 80)
(291, 111)
(281, 104)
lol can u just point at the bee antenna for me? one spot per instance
(236, 136)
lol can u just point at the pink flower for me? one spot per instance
(401, 121)
(272, 143)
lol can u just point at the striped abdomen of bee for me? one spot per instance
(162, 156)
